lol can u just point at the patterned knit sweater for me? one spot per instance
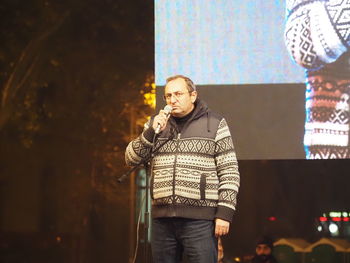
(195, 172)
(317, 35)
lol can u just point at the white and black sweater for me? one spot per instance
(194, 174)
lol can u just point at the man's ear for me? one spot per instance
(193, 96)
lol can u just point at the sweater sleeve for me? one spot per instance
(140, 148)
(317, 32)
(227, 170)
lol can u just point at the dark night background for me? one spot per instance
(72, 75)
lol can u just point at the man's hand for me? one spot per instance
(221, 227)
(160, 119)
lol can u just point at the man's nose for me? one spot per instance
(173, 99)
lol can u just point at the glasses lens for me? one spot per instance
(177, 95)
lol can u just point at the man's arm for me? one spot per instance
(228, 174)
(140, 148)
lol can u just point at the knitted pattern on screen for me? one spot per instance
(327, 118)
(317, 36)
(317, 32)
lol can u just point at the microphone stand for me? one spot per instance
(147, 164)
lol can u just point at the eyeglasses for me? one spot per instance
(177, 95)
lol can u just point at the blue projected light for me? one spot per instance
(223, 42)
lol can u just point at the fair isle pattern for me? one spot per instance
(339, 12)
(293, 5)
(138, 149)
(327, 118)
(226, 167)
(198, 166)
(227, 197)
(328, 152)
(324, 114)
(317, 32)
(298, 39)
(197, 171)
(326, 134)
(326, 41)
(179, 200)
(193, 161)
(192, 186)
(136, 152)
(224, 144)
(194, 145)
(162, 178)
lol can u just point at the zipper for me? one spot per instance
(176, 153)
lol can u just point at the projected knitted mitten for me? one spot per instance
(317, 37)
(317, 32)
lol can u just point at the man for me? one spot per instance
(263, 251)
(317, 36)
(195, 178)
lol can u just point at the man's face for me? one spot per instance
(178, 96)
(263, 249)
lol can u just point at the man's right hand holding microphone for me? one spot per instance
(160, 120)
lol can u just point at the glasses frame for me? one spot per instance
(177, 95)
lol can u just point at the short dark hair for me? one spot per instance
(190, 85)
(266, 240)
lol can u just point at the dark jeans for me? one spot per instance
(173, 236)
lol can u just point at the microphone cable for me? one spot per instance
(138, 228)
(142, 203)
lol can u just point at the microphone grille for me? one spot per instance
(168, 108)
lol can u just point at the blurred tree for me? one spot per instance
(71, 72)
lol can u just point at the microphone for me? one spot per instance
(167, 110)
